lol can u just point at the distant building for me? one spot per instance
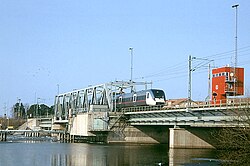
(179, 103)
(227, 81)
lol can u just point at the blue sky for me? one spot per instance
(79, 43)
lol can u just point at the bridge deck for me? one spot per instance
(204, 116)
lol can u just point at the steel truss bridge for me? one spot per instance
(80, 101)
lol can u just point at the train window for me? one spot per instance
(158, 94)
(134, 98)
(147, 95)
(143, 97)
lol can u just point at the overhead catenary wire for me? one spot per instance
(174, 69)
(226, 53)
(180, 70)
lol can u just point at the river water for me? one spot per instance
(34, 153)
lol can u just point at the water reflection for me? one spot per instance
(80, 154)
(192, 157)
(67, 160)
(106, 155)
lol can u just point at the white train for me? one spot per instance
(141, 98)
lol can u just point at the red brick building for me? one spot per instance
(227, 81)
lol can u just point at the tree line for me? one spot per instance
(21, 111)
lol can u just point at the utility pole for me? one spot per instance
(189, 80)
(131, 64)
(191, 69)
(19, 114)
(5, 110)
(37, 106)
(209, 83)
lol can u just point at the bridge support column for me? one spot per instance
(72, 138)
(3, 136)
(181, 138)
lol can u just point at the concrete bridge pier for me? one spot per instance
(61, 137)
(182, 138)
(72, 138)
(32, 134)
(3, 136)
(64, 137)
(67, 138)
(35, 134)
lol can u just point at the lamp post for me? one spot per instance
(236, 33)
(37, 107)
(38, 113)
(58, 86)
(236, 46)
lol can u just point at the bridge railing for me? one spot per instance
(42, 117)
(142, 108)
(226, 104)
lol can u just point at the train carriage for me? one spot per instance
(141, 98)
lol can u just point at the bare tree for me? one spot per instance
(234, 141)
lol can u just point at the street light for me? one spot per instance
(236, 32)
(37, 106)
(58, 86)
(236, 45)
